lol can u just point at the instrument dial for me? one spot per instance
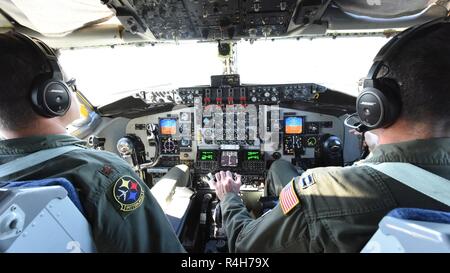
(169, 146)
(184, 116)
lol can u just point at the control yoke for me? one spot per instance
(153, 140)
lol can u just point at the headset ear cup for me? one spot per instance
(379, 106)
(370, 108)
(36, 98)
(51, 98)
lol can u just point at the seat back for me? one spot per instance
(42, 219)
(411, 231)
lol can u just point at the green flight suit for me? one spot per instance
(278, 176)
(131, 223)
(339, 207)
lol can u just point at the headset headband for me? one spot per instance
(379, 105)
(47, 53)
(396, 43)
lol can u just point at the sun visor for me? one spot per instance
(386, 9)
(56, 18)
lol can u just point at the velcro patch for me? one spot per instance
(288, 198)
(305, 181)
(128, 193)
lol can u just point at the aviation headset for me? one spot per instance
(50, 95)
(379, 104)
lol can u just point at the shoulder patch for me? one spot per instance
(106, 170)
(128, 193)
(288, 198)
(305, 180)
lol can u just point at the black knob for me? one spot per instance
(276, 155)
(332, 151)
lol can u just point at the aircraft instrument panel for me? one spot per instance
(241, 128)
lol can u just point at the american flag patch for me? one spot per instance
(288, 198)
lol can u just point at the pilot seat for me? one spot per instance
(43, 216)
(411, 230)
(173, 195)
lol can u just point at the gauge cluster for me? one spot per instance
(240, 128)
(243, 139)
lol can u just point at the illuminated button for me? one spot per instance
(312, 141)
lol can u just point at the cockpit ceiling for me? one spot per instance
(109, 22)
(227, 19)
(55, 18)
(384, 9)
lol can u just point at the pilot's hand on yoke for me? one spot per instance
(225, 183)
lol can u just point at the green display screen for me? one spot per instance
(250, 156)
(207, 156)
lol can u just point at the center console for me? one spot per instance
(248, 163)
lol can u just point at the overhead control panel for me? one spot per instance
(206, 19)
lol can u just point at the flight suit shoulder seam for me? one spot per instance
(386, 201)
(382, 186)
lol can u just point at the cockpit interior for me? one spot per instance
(228, 124)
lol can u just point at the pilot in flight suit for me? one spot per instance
(337, 209)
(124, 215)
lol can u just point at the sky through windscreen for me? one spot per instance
(106, 74)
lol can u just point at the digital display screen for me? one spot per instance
(252, 155)
(229, 159)
(293, 125)
(168, 126)
(207, 156)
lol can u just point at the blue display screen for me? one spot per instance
(168, 126)
(293, 125)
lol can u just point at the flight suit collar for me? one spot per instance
(433, 151)
(33, 144)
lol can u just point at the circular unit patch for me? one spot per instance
(128, 193)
